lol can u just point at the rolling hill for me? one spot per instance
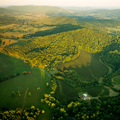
(48, 10)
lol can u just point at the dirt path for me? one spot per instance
(116, 85)
(97, 98)
(112, 93)
(24, 100)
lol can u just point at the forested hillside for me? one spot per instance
(61, 47)
(59, 68)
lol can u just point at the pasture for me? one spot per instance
(96, 91)
(25, 84)
(117, 79)
(87, 66)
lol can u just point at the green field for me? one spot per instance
(23, 83)
(87, 66)
(96, 91)
(97, 68)
(64, 92)
(10, 65)
(117, 79)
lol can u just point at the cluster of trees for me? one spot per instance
(18, 93)
(21, 114)
(108, 80)
(112, 56)
(0, 42)
(82, 110)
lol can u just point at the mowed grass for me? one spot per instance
(117, 79)
(23, 83)
(64, 92)
(96, 91)
(87, 66)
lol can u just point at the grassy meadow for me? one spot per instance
(25, 84)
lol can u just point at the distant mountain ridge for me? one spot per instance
(48, 10)
(4, 10)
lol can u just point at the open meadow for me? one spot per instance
(23, 90)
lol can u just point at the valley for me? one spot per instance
(49, 60)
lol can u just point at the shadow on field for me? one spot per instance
(58, 29)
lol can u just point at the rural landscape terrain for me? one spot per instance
(59, 63)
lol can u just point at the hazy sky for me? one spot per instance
(86, 3)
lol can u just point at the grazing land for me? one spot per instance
(26, 85)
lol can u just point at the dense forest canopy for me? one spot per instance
(63, 46)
